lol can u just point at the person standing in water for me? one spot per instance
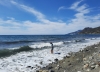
(51, 47)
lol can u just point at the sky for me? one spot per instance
(46, 17)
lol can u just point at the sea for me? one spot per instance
(40, 55)
(16, 41)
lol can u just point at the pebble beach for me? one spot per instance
(87, 60)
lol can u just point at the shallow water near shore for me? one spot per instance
(41, 56)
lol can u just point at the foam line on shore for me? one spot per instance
(34, 60)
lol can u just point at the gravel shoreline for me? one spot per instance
(87, 60)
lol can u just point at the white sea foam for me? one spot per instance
(41, 45)
(30, 61)
(13, 48)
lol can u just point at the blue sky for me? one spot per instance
(36, 17)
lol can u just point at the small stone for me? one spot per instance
(68, 56)
(77, 59)
(64, 70)
(78, 71)
(14, 60)
(84, 59)
(90, 57)
(96, 47)
(51, 71)
(29, 56)
(50, 67)
(99, 63)
(88, 69)
(28, 66)
(86, 65)
(40, 70)
(92, 67)
(93, 63)
(96, 66)
(32, 67)
(37, 71)
(68, 61)
(56, 60)
(41, 62)
(45, 71)
(64, 57)
(86, 50)
(49, 60)
(69, 64)
(57, 67)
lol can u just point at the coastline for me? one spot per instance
(86, 60)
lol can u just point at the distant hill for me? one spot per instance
(73, 33)
(89, 30)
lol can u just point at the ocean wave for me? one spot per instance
(14, 42)
(38, 46)
(8, 52)
(74, 41)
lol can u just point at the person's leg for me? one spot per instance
(52, 51)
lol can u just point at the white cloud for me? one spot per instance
(5, 3)
(28, 27)
(62, 7)
(38, 14)
(45, 26)
(82, 20)
(83, 9)
(75, 5)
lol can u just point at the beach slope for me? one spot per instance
(87, 60)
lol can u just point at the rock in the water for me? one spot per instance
(41, 62)
(28, 66)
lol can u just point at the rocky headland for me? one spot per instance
(89, 30)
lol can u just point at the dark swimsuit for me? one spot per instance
(52, 46)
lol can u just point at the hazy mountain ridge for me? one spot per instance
(87, 30)
(73, 33)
